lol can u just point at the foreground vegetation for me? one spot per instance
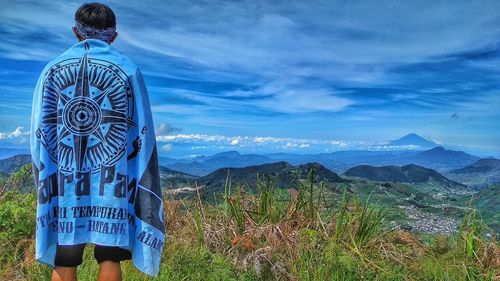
(270, 235)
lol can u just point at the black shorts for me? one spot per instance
(71, 255)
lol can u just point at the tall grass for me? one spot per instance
(273, 235)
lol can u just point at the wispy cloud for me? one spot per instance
(302, 69)
(268, 143)
(253, 144)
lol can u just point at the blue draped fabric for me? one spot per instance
(94, 156)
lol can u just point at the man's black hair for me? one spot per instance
(95, 15)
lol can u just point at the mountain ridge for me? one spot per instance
(437, 158)
(410, 173)
(413, 139)
(13, 163)
(284, 173)
(481, 165)
(480, 174)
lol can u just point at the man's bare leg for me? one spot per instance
(110, 271)
(61, 273)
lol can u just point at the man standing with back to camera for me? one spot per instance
(94, 157)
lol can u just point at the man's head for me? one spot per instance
(95, 20)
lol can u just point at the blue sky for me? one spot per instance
(296, 76)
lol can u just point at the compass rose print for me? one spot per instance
(87, 111)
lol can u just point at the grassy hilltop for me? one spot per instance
(301, 233)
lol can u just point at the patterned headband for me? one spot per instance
(87, 32)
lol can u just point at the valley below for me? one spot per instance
(425, 191)
(410, 215)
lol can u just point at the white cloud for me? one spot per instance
(17, 133)
(166, 128)
(19, 136)
(191, 137)
(166, 147)
(293, 101)
(205, 141)
(395, 147)
(298, 145)
(268, 143)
